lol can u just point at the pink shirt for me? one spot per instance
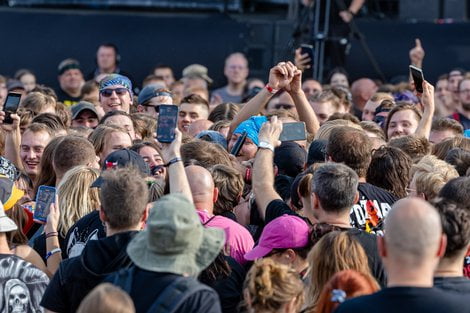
(238, 239)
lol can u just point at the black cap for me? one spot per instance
(76, 109)
(123, 158)
(290, 158)
(317, 152)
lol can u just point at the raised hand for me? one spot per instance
(270, 132)
(417, 54)
(281, 75)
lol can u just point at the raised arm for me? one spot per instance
(417, 54)
(263, 176)
(427, 99)
(280, 76)
(176, 175)
(304, 109)
(12, 139)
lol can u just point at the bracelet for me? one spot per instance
(270, 89)
(173, 161)
(52, 252)
(52, 234)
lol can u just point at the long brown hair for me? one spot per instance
(336, 251)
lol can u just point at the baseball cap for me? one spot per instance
(9, 193)
(197, 70)
(82, 106)
(290, 158)
(123, 158)
(213, 136)
(68, 64)
(284, 232)
(151, 91)
(13, 84)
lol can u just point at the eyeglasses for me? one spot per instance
(109, 92)
(283, 106)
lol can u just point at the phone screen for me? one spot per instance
(418, 78)
(167, 122)
(293, 132)
(44, 198)
(10, 106)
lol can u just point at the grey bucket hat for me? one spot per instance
(175, 240)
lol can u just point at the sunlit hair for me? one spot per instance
(76, 198)
(107, 298)
(347, 283)
(270, 285)
(336, 251)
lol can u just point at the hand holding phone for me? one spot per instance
(418, 78)
(12, 102)
(307, 49)
(44, 198)
(167, 123)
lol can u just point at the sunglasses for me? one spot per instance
(283, 106)
(108, 92)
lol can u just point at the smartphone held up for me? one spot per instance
(167, 123)
(44, 198)
(418, 78)
(10, 106)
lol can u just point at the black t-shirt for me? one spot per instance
(65, 98)
(87, 228)
(456, 284)
(204, 301)
(277, 208)
(372, 207)
(407, 300)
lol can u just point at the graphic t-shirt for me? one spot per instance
(66, 99)
(87, 228)
(22, 285)
(370, 211)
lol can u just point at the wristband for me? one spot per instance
(266, 145)
(52, 234)
(173, 161)
(270, 89)
(52, 252)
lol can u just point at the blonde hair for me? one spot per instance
(336, 251)
(107, 298)
(431, 174)
(269, 286)
(76, 198)
(325, 130)
(99, 136)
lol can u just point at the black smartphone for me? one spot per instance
(10, 106)
(307, 49)
(418, 78)
(239, 144)
(167, 122)
(293, 132)
(44, 198)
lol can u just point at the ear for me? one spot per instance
(103, 217)
(290, 255)
(146, 213)
(140, 108)
(215, 195)
(356, 197)
(315, 202)
(442, 246)
(328, 158)
(382, 247)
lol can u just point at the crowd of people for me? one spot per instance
(369, 210)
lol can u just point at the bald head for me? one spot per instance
(413, 232)
(362, 90)
(198, 126)
(202, 187)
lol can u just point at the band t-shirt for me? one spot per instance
(22, 285)
(408, 300)
(369, 212)
(66, 99)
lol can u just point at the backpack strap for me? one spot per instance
(123, 279)
(175, 294)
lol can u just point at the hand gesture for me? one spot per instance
(417, 54)
(172, 150)
(296, 83)
(281, 75)
(301, 61)
(270, 132)
(346, 16)
(15, 126)
(427, 97)
(53, 217)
